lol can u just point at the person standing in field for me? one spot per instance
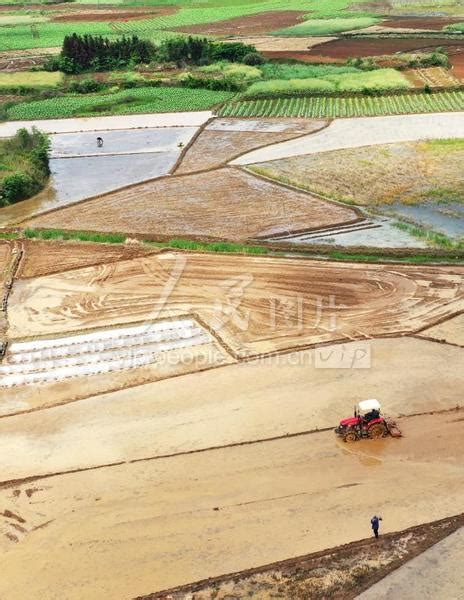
(375, 524)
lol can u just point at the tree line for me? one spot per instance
(82, 53)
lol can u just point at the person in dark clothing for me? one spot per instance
(371, 415)
(375, 523)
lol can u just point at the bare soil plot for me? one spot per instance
(429, 23)
(43, 257)
(357, 47)
(450, 331)
(155, 524)
(260, 23)
(254, 304)
(226, 203)
(406, 173)
(457, 61)
(283, 44)
(25, 60)
(113, 15)
(226, 139)
(339, 573)
(4, 257)
(433, 77)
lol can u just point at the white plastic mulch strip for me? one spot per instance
(97, 352)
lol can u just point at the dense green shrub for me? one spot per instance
(210, 83)
(253, 59)
(17, 186)
(85, 86)
(201, 51)
(26, 165)
(233, 51)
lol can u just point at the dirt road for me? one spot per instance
(155, 524)
(364, 131)
(177, 119)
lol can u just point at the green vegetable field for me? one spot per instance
(378, 80)
(355, 106)
(327, 26)
(19, 35)
(140, 100)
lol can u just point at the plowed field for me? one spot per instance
(256, 305)
(227, 139)
(261, 23)
(346, 48)
(225, 203)
(44, 258)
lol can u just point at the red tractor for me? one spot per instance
(367, 422)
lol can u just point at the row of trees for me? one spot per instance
(95, 53)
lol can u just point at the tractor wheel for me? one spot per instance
(350, 436)
(377, 431)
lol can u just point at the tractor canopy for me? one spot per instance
(366, 406)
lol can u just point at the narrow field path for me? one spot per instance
(363, 131)
(175, 119)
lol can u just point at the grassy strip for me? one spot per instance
(437, 239)
(30, 79)
(356, 106)
(81, 236)
(211, 246)
(233, 248)
(419, 259)
(9, 235)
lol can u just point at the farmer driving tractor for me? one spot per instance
(367, 422)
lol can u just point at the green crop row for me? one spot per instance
(378, 80)
(139, 100)
(355, 106)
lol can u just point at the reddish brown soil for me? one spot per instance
(249, 25)
(44, 258)
(435, 23)
(114, 15)
(457, 60)
(346, 48)
(303, 56)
